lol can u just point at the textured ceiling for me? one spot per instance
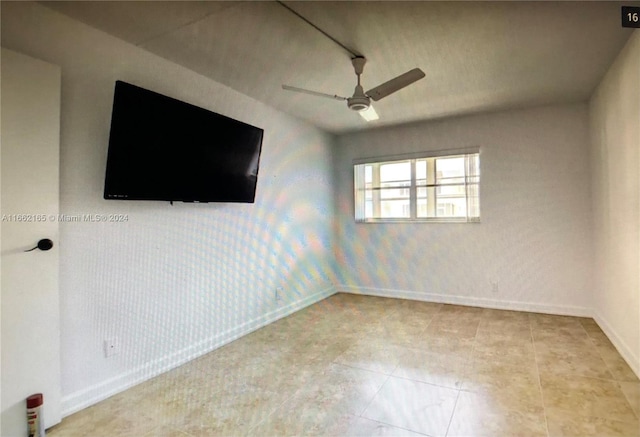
(477, 56)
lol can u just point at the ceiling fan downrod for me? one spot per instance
(359, 101)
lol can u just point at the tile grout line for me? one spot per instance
(371, 401)
(408, 379)
(248, 431)
(605, 361)
(378, 391)
(607, 366)
(396, 426)
(455, 405)
(535, 356)
(613, 378)
(624, 393)
(595, 346)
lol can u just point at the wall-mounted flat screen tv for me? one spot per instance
(163, 149)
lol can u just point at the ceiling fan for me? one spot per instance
(361, 100)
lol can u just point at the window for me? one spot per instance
(445, 187)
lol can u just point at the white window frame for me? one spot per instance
(431, 185)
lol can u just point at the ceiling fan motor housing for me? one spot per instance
(359, 101)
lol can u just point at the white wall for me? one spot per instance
(615, 168)
(535, 232)
(174, 281)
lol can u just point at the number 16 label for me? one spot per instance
(631, 16)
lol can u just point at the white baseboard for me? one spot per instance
(498, 304)
(81, 399)
(625, 351)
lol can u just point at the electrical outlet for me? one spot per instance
(494, 286)
(111, 347)
(278, 294)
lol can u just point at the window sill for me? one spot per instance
(420, 220)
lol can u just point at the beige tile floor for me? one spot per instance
(362, 366)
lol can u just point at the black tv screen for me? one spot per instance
(163, 149)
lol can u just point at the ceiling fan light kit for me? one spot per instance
(369, 114)
(358, 103)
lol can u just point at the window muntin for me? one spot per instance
(440, 188)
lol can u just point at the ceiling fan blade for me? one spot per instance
(313, 93)
(395, 84)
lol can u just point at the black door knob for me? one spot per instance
(44, 244)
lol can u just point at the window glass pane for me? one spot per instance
(421, 171)
(473, 200)
(395, 193)
(422, 207)
(450, 191)
(474, 165)
(368, 174)
(422, 193)
(450, 170)
(451, 207)
(400, 171)
(395, 209)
